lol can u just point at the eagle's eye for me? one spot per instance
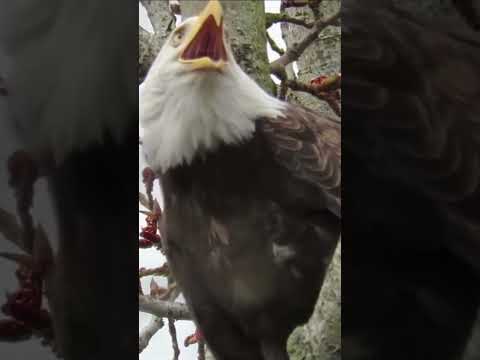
(178, 37)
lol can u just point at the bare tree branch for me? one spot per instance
(274, 45)
(156, 323)
(159, 271)
(148, 331)
(271, 19)
(315, 90)
(162, 308)
(292, 54)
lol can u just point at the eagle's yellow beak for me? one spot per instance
(205, 49)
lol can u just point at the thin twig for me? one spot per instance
(173, 334)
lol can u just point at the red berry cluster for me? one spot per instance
(149, 235)
(24, 307)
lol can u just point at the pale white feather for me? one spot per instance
(184, 112)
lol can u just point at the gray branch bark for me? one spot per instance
(150, 44)
(322, 57)
(148, 331)
(245, 24)
(162, 308)
(320, 338)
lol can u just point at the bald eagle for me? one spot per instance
(251, 189)
(411, 189)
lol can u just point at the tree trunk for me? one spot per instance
(245, 25)
(150, 44)
(320, 338)
(321, 58)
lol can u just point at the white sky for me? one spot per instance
(160, 345)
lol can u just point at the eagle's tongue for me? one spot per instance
(207, 42)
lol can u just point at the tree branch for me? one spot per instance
(156, 323)
(159, 271)
(163, 308)
(274, 45)
(271, 18)
(173, 334)
(293, 53)
(148, 331)
(317, 91)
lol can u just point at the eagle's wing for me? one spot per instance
(411, 148)
(413, 93)
(425, 118)
(309, 146)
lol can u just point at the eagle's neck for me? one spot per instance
(193, 114)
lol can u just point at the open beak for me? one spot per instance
(205, 49)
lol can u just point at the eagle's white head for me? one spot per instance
(196, 96)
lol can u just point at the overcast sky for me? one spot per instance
(160, 346)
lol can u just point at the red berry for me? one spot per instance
(318, 80)
(144, 243)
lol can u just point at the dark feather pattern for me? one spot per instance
(309, 146)
(439, 85)
(411, 217)
(250, 229)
